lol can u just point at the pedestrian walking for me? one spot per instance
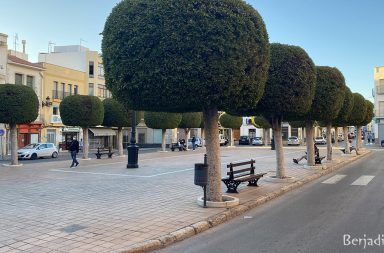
(369, 138)
(193, 142)
(74, 149)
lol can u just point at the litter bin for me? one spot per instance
(273, 144)
(201, 174)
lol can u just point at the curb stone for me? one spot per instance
(217, 219)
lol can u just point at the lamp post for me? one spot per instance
(133, 149)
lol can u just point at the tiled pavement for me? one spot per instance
(101, 206)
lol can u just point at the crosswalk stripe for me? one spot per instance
(363, 180)
(334, 179)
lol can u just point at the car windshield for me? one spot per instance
(257, 138)
(292, 138)
(319, 138)
(31, 146)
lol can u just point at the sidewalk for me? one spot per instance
(101, 206)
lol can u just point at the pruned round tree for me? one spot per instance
(214, 53)
(163, 121)
(261, 122)
(116, 115)
(357, 116)
(84, 111)
(190, 120)
(369, 114)
(329, 98)
(18, 105)
(289, 91)
(229, 121)
(342, 119)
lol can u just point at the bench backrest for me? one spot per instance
(231, 173)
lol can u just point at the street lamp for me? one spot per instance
(47, 102)
(133, 149)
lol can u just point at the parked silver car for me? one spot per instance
(320, 140)
(294, 140)
(36, 150)
(257, 141)
(198, 142)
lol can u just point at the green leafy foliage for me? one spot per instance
(191, 120)
(291, 82)
(162, 120)
(156, 53)
(115, 114)
(359, 110)
(329, 96)
(82, 110)
(345, 111)
(260, 122)
(297, 124)
(368, 114)
(230, 121)
(18, 104)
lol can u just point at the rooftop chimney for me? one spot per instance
(23, 41)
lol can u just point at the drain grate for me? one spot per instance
(72, 228)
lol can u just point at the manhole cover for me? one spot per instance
(72, 228)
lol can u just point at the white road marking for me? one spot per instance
(334, 179)
(363, 180)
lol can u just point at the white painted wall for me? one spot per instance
(72, 60)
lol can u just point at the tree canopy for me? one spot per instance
(115, 115)
(329, 96)
(18, 104)
(162, 120)
(230, 121)
(345, 111)
(82, 110)
(291, 82)
(369, 114)
(157, 52)
(359, 110)
(191, 120)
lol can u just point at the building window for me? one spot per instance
(75, 89)
(55, 90)
(102, 91)
(380, 87)
(70, 89)
(91, 69)
(18, 78)
(63, 91)
(51, 136)
(55, 110)
(30, 81)
(381, 109)
(377, 69)
(91, 91)
(101, 70)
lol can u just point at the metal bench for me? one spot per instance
(236, 177)
(101, 152)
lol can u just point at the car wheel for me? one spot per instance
(34, 156)
(54, 154)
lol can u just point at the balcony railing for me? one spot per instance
(58, 94)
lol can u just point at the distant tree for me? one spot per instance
(358, 115)
(163, 121)
(232, 122)
(84, 111)
(289, 91)
(190, 120)
(18, 105)
(215, 53)
(116, 115)
(369, 114)
(329, 99)
(261, 122)
(342, 119)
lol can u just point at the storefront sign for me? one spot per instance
(2, 132)
(71, 129)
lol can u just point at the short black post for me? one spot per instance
(133, 149)
(205, 196)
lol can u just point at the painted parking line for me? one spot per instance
(334, 179)
(119, 175)
(363, 180)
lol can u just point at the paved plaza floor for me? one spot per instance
(100, 206)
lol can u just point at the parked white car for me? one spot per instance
(294, 140)
(257, 141)
(198, 142)
(37, 150)
(320, 140)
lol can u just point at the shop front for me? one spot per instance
(28, 133)
(68, 133)
(102, 138)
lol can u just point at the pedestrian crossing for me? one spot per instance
(362, 180)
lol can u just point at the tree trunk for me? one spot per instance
(346, 140)
(231, 141)
(163, 131)
(266, 136)
(277, 135)
(358, 139)
(213, 154)
(14, 158)
(187, 132)
(329, 142)
(120, 141)
(303, 135)
(310, 143)
(202, 137)
(85, 143)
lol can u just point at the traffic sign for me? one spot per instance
(2, 132)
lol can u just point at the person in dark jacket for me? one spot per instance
(74, 149)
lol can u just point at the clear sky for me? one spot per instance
(347, 34)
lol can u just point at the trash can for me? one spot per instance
(273, 144)
(201, 174)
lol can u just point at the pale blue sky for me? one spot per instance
(346, 34)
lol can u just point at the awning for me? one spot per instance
(102, 132)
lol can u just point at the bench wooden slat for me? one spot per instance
(238, 171)
(240, 163)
